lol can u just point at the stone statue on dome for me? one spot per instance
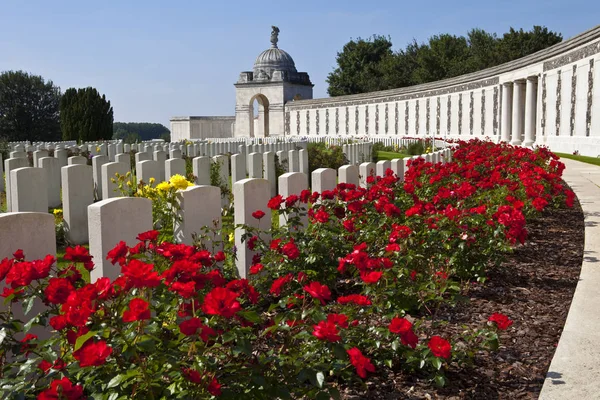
(274, 36)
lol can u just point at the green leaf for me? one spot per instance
(320, 379)
(2, 335)
(335, 393)
(436, 362)
(115, 381)
(440, 381)
(251, 316)
(82, 339)
(113, 396)
(28, 305)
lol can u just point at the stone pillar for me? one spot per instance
(97, 163)
(199, 206)
(201, 168)
(506, 111)
(78, 194)
(51, 167)
(109, 171)
(249, 195)
(115, 220)
(530, 111)
(29, 190)
(518, 113)
(348, 174)
(270, 172)
(174, 166)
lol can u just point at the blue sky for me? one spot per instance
(157, 59)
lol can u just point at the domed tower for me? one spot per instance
(272, 82)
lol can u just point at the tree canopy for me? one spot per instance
(366, 65)
(137, 131)
(29, 107)
(85, 115)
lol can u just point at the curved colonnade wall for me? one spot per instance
(549, 98)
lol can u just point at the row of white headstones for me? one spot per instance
(104, 223)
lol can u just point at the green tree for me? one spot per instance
(516, 44)
(29, 107)
(85, 115)
(144, 130)
(360, 66)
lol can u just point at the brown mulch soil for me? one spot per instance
(534, 287)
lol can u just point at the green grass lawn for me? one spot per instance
(585, 159)
(390, 155)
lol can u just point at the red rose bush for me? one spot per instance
(355, 291)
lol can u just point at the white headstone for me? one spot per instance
(270, 172)
(97, 163)
(78, 194)
(349, 174)
(147, 169)
(366, 169)
(37, 155)
(382, 166)
(201, 170)
(29, 190)
(174, 166)
(238, 167)
(115, 220)
(255, 167)
(77, 160)
(109, 172)
(292, 183)
(160, 157)
(323, 179)
(200, 206)
(249, 196)
(51, 167)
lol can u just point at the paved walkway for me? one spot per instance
(575, 369)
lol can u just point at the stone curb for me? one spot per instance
(575, 369)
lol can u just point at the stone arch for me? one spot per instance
(259, 126)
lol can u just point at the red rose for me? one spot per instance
(319, 292)
(258, 214)
(326, 330)
(221, 301)
(340, 320)
(138, 311)
(141, 274)
(185, 290)
(275, 202)
(118, 253)
(278, 284)
(357, 299)
(501, 320)
(150, 236)
(5, 266)
(190, 327)
(58, 290)
(439, 347)
(58, 322)
(18, 255)
(220, 256)
(409, 339)
(92, 353)
(371, 277)
(360, 362)
(291, 200)
(321, 216)
(78, 254)
(290, 250)
(256, 268)
(21, 274)
(400, 325)
(62, 389)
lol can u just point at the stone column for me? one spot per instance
(530, 111)
(518, 113)
(506, 112)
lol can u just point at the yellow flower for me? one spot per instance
(57, 212)
(179, 182)
(163, 186)
(151, 181)
(231, 237)
(129, 183)
(98, 149)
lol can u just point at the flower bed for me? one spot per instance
(357, 291)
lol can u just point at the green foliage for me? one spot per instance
(29, 107)
(85, 115)
(370, 65)
(132, 132)
(320, 155)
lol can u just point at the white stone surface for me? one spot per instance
(292, 183)
(366, 169)
(174, 166)
(349, 174)
(270, 172)
(97, 163)
(77, 160)
(382, 166)
(255, 167)
(115, 220)
(323, 179)
(201, 170)
(147, 169)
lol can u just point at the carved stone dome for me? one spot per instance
(274, 59)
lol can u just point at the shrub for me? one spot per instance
(320, 155)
